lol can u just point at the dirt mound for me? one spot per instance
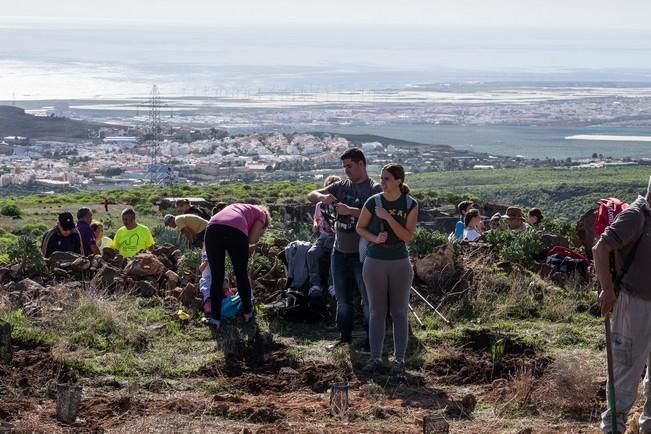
(314, 376)
(32, 373)
(483, 356)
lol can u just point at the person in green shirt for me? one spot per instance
(388, 221)
(132, 237)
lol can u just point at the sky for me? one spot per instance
(632, 15)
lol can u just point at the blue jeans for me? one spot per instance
(347, 274)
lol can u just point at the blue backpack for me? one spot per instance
(231, 306)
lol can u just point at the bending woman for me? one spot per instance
(387, 270)
(232, 230)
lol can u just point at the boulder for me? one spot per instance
(168, 254)
(62, 259)
(172, 280)
(108, 278)
(60, 272)
(28, 288)
(5, 274)
(80, 264)
(144, 265)
(112, 257)
(436, 266)
(188, 294)
(96, 262)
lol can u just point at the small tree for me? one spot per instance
(25, 251)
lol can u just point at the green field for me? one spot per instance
(560, 192)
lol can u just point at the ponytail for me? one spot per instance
(404, 188)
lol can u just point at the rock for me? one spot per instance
(189, 293)
(96, 262)
(16, 270)
(436, 266)
(435, 424)
(176, 256)
(28, 288)
(80, 264)
(5, 274)
(112, 257)
(174, 292)
(172, 280)
(60, 272)
(551, 240)
(286, 370)
(62, 259)
(108, 278)
(168, 254)
(143, 288)
(143, 265)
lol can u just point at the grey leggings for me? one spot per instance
(388, 283)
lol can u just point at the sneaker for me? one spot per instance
(331, 290)
(371, 366)
(397, 368)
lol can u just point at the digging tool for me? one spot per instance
(445, 320)
(611, 379)
(420, 323)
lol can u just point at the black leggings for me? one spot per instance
(219, 240)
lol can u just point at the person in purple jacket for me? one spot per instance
(232, 230)
(84, 219)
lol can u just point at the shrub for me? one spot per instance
(26, 252)
(165, 235)
(559, 227)
(189, 262)
(424, 242)
(10, 210)
(515, 246)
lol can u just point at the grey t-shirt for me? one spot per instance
(631, 224)
(353, 195)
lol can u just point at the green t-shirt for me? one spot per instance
(128, 242)
(393, 248)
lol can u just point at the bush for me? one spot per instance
(165, 235)
(26, 252)
(559, 227)
(515, 246)
(10, 210)
(425, 242)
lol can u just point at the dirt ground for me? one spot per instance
(289, 395)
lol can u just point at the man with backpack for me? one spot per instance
(622, 258)
(348, 196)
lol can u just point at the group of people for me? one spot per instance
(86, 237)
(470, 226)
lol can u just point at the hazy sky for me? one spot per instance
(577, 14)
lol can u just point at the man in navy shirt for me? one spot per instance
(64, 237)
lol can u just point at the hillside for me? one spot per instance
(15, 122)
(523, 352)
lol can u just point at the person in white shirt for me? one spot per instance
(473, 229)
